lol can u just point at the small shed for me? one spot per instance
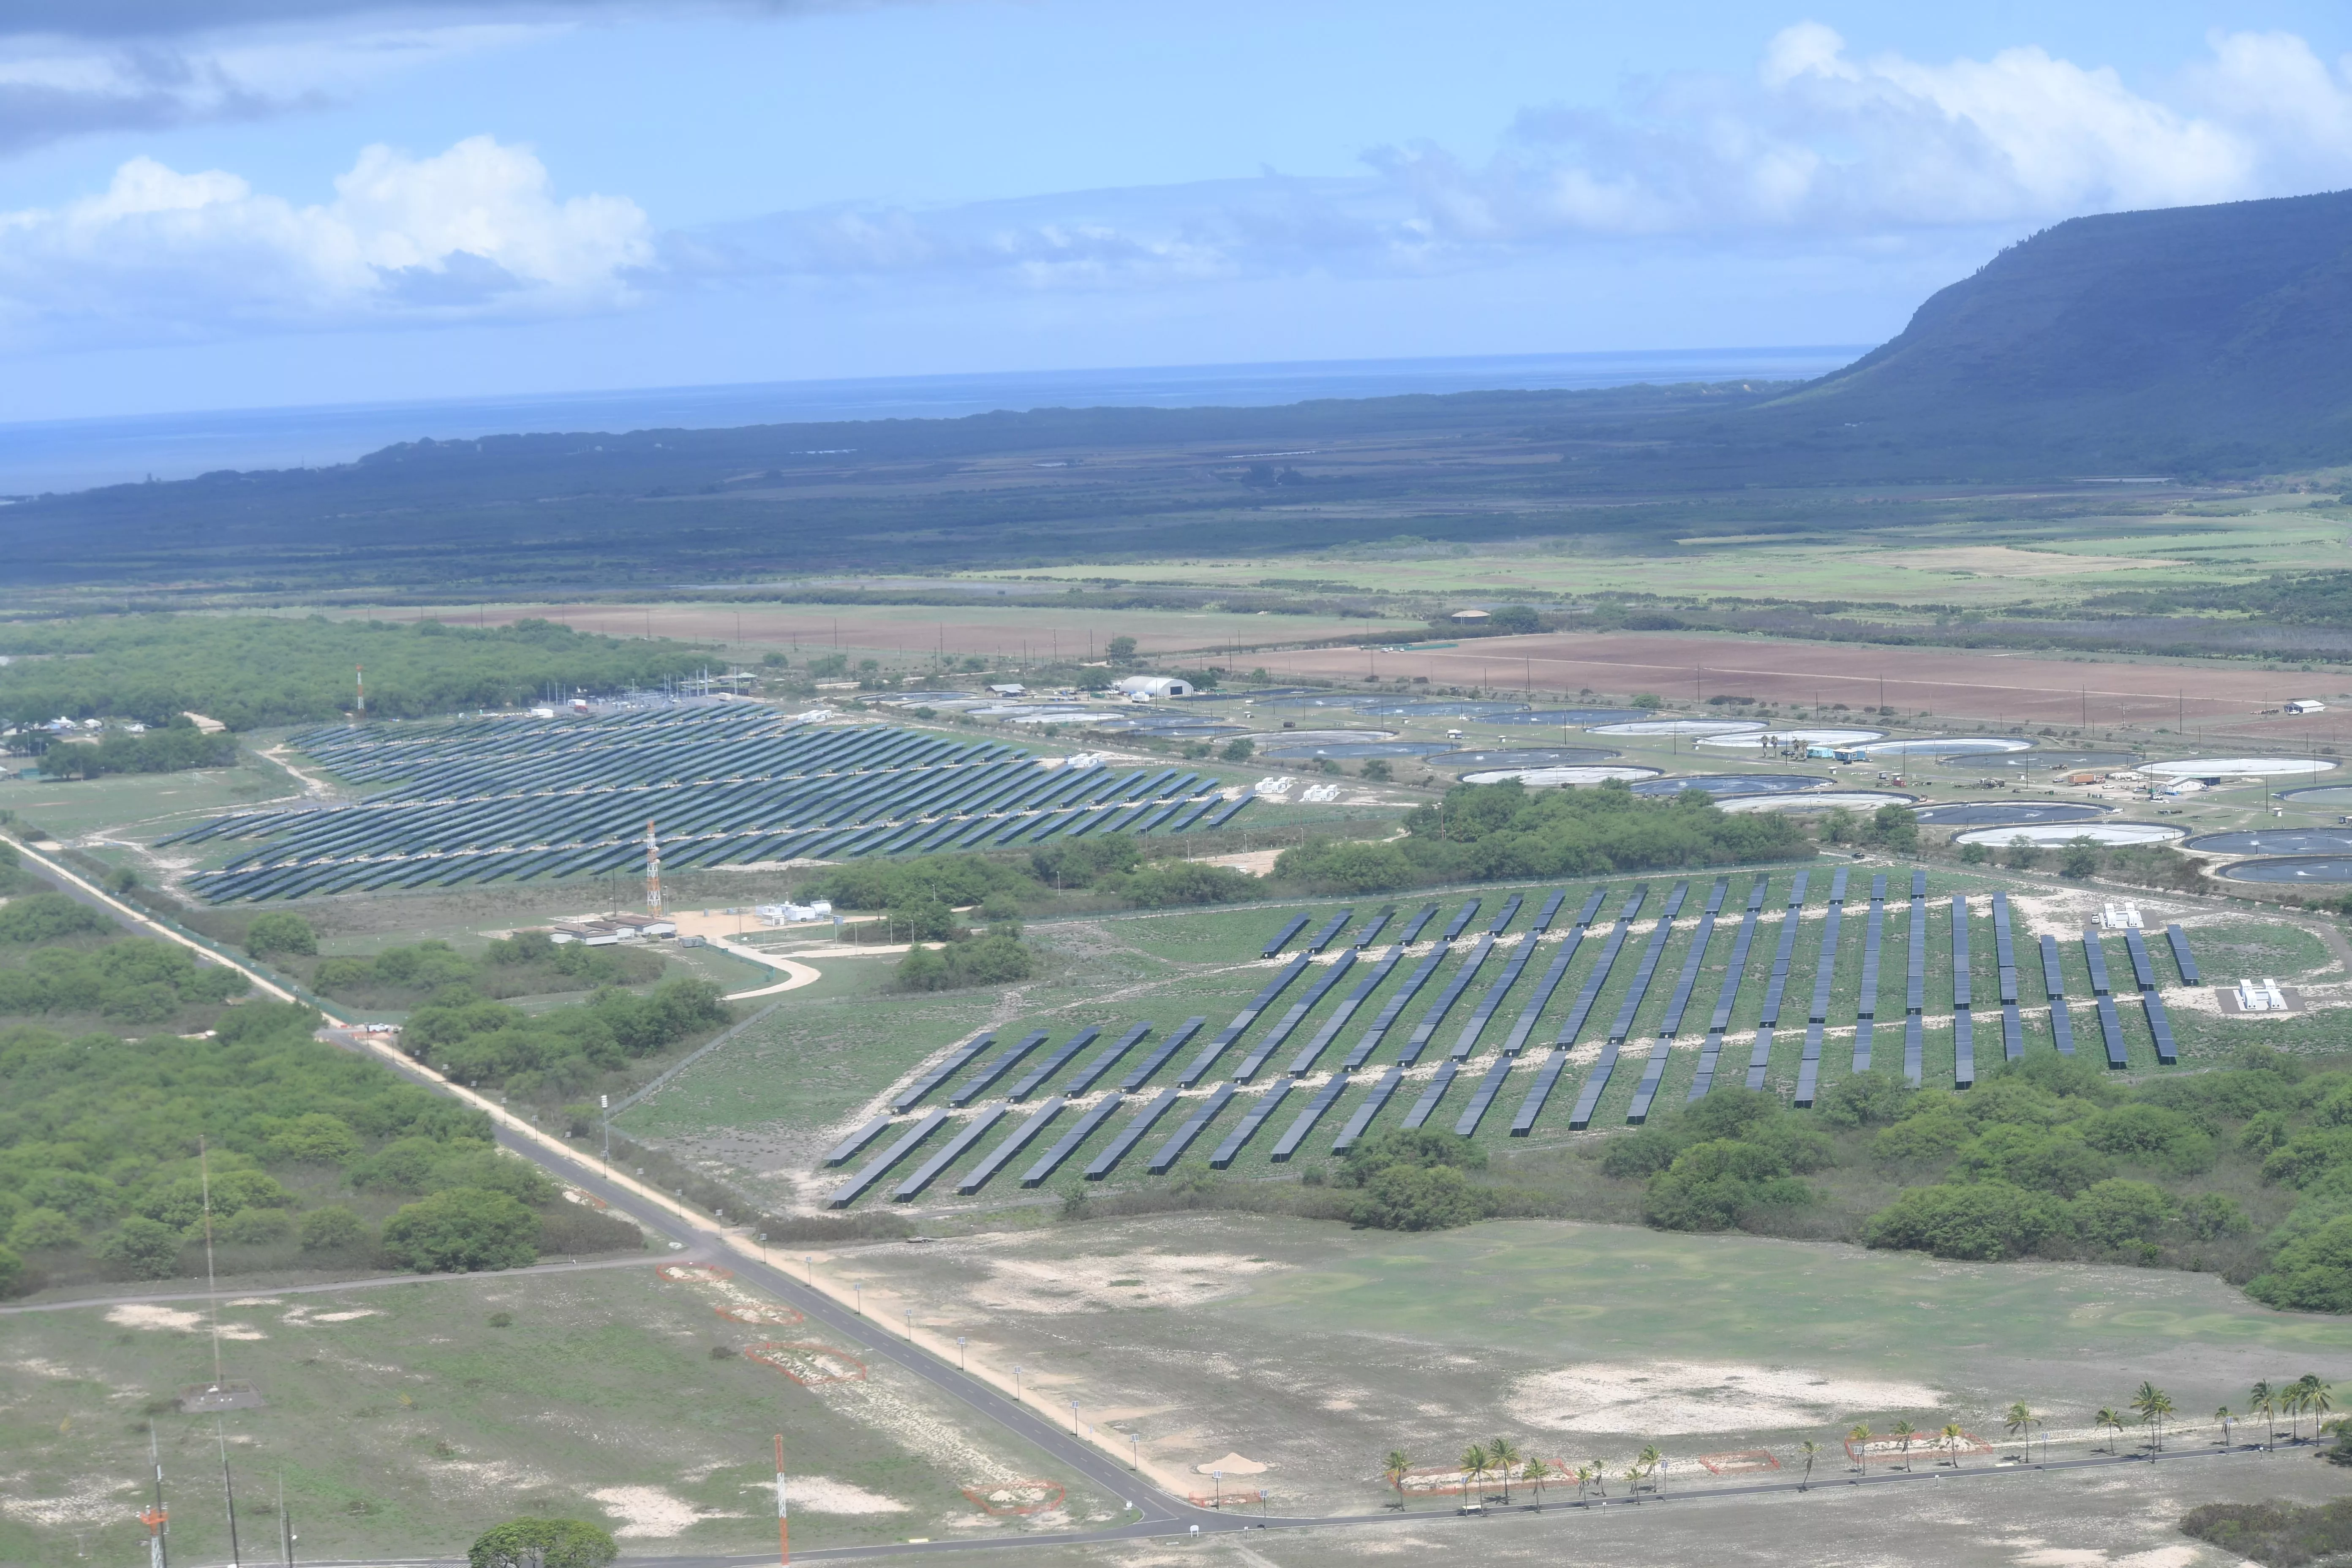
(2306, 705)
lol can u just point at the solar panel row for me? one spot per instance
(1466, 1125)
(1412, 932)
(1374, 978)
(1964, 1029)
(1157, 1057)
(1333, 972)
(1419, 1040)
(1070, 1142)
(1735, 971)
(1194, 1125)
(2179, 940)
(1296, 924)
(989, 1072)
(1590, 994)
(1462, 919)
(1809, 1065)
(1867, 1007)
(2053, 986)
(2160, 1022)
(1760, 1054)
(955, 1062)
(1325, 1099)
(1199, 1066)
(1373, 927)
(1107, 1058)
(1468, 1041)
(1588, 1097)
(928, 1172)
(1542, 998)
(1055, 1062)
(1256, 1117)
(849, 1192)
(1653, 1071)
(1332, 929)
(1426, 1106)
(1387, 1016)
(1131, 1134)
(847, 1150)
(996, 1159)
(1373, 1105)
(1915, 983)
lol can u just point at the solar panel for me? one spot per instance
(1588, 1097)
(2112, 1026)
(2096, 957)
(2179, 940)
(1466, 1125)
(1374, 1104)
(2012, 1032)
(1373, 927)
(1374, 978)
(1412, 931)
(1194, 1125)
(1253, 1118)
(1296, 1133)
(1333, 972)
(1158, 1056)
(1002, 1155)
(1914, 1047)
(1281, 938)
(2062, 1028)
(1914, 970)
(924, 1174)
(1503, 921)
(1961, 996)
(1532, 1106)
(954, 1062)
(1055, 1062)
(1199, 1066)
(1737, 969)
(1687, 981)
(2143, 972)
(1541, 996)
(1468, 1041)
(1070, 1142)
(1825, 966)
(1462, 918)
(1760, 1054)
(1107, 1060)
(1394, 1005)
(2160, 1024)
(1809, 1067)
(1131, 1134)
(989, 1072)
(1426, 1106)
(1446, 998)
(1550, 907)
(1591, 992)
(849, 1192)
(1336, 924)
(1866, 1006)
(1652, 951)
(848, 1147)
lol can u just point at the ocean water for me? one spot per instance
(76, 454)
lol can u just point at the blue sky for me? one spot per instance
(225, 203)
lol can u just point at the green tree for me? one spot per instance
(12, 1272)
(1473, 1465)
(2263, 1400)
(543, 1543)
(2079, 858)
(141, 1248)
(2152, 1405)
(1903, 1433)
(1394, 1469)
(2318, 1397)
(2313, 1272)
(1502, 1453)
(281, 931)
(332, 1229)
(37, 1227)
(1859, 1435)
(2019, 1422)
(1950, 1438)
(2108, 1421)
(1377, 771)
(1535, 1475)
(1119, 650)
(1812, 1452)
(1240, 749)
(461, 1230)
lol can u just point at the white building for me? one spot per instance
(1150, 686)
(2306, 705)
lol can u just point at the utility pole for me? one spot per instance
(784, 1514)
(159, 1551)
(360, 674)
(228, 1494)
(604, 1104)
(285, 1523)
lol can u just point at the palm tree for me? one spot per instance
(1811, 1450)
(2020, 1421)
(1903, 1434)
(1951, 1435)
(2152, 1405)
(2318, 1397)
(1536, 1475)
(1393, 1469)
(1860, 1437)
(2108, 1421)
(1502, 1454)
(2291, 1400)
(1651, 1461)
(2263, 1400)
(1600, 1478)
(1633, 1476)
(1583, 1479)
(2224, 1417)
(1472, 1465)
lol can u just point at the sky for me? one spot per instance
(214, 204)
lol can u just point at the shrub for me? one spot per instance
(141, 1248)
(1976, 1220)
(1414, 1198)
(1168, 884)
(462, 1229)
(36, 1228)
(281, 931)
(257, 1227)
(333, 1228)
(543, 1543)
(315, 1138)
(1346, 866)
(1238, 750)
(47, 917)
(11, 1273)
(2313, 1272)
(2151, 1136)
(2116, 1214)
(1873, 1099)
(2277, 1534)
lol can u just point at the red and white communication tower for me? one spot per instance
(653, 871)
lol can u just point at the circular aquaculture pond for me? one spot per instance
(2009, 813)
(1818, 800)
(1950, 746)
(1733, 784)
(1557, 778)
(2238, 767)
(1559, 718)
(1525, 757)
(2320, 795)
(1682, 726)
(2046, 834)
(1797, 737)
(2301, 868)
(1433, 709)
(1263, 737)
(2276, 841)
(2063, 762)
(1297, 751)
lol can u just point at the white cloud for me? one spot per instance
(473, 232)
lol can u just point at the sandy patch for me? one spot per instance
(146, 1315)
(1089, 1284)
(816, 1494)
(257, 1301)
(2077, 1557)
(646, 1513)
(1651, 1398)
(73, 1510)
(346, 1317)
(1232, 1465)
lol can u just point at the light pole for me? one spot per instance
(1016, 1385)
(763, 1247)
(1074, 1417)
(960, 1344)
(1217, 1491)
(910, 1323)
(808, 1263)
(604, 1104)
(1134, 1452)
(859, 1291)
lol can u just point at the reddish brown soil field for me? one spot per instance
(1991, 688)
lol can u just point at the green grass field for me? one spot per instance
(402, 1422)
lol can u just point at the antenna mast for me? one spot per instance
(653, 871)
(359, 673)
(783, 1514)
(158, 1554)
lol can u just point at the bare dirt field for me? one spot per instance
(1992, 688)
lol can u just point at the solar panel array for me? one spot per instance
(513, 800)
(1914, 983)
(1342, 982)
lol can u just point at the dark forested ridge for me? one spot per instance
(2196, 342)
